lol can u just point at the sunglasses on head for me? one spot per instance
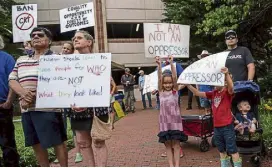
(40, 35)
(230, 37)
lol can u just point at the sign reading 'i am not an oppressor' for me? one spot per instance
(163, 39)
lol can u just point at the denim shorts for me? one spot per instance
(45, 128)
(205, 103)
(225, 140)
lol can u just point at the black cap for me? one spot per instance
(230, 32)
(43, 29)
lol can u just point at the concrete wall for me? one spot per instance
(134, 10)
(116, 10)
(130, 54)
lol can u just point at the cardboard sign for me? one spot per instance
(206, 71)
(77, 17)
(164, 39)
(24, 19)
(80, 79)
(151, 80)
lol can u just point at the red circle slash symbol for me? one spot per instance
(24, 21)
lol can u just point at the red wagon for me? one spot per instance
(199, 126)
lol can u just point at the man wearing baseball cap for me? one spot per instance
(240, 61)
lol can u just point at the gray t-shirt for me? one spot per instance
(237, 62)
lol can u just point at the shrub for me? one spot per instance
(27, 156)
(265, 112)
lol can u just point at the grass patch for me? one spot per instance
(27, 156)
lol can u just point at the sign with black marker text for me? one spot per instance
(151, 80)
(77, 17)
(80, 79)
(164, 39)
(24, 19)
(206, 71)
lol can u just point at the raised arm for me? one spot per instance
(196, 92)
(158, 61)
(174, 72)
(228, 79)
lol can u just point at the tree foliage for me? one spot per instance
(5, 17)
(210, 19)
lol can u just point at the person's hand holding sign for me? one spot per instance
(158, 61)
(171, 58)
(224, 70)
(77, 109)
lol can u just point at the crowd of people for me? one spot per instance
(40, 125)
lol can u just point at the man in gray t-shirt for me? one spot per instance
(239, 61)
(128, 82)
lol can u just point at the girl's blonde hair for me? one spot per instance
(87, 36)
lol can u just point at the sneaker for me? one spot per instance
(56, 161)
(189, 108)
(78, 158)
(225, 162)
(238, 164)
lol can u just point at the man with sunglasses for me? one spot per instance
(43, 128)
(239, 61)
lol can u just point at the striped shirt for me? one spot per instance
(26, 73)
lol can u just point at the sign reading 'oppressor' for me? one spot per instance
(206, 71)
(163, 39)
(77, 17)
(80, 79)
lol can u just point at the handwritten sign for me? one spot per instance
(162, 39)
(77, 17)
(206, 71)
(151, 80)
(24, 19)
(81, 79)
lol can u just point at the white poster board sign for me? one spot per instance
(80, 79)
(206, 71)
(24, 19)
(151, 80)
(164, 39)
(77, 17)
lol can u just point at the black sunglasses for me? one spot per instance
(230, 37)
(40, 35)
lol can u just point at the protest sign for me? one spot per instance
(151, 80)
(77, 17)
(206, 71)
(163, 39)
(24, 19)
(80, 79)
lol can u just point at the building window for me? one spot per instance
(125, 30)
(66, 36)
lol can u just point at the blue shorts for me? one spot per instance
(205, 103)
(45, 128)
(225, 140)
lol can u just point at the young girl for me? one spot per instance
(170, 119)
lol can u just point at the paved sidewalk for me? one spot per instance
(135, 143)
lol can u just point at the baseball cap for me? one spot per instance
(127, 70)
(204, 52)
(230, 32)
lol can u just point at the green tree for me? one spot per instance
(209, 19)
(6, 26)
(5, 17)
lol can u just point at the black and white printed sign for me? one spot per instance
(77, 17)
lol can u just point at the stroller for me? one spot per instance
(248, 144)
(200, 126)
